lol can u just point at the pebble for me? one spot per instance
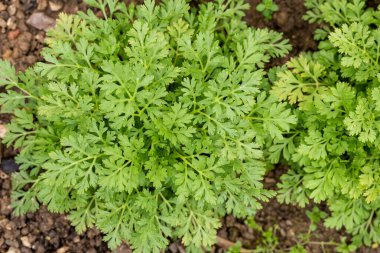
(11, 36)
(10, 226)
(40, 37)
(291, 233)
(12, 9)
(289, 222)
(26, 250)
(42, 4)
(20, 14)
(25, 241)
(3, 222)
(11, 23)
(230, 221)
(31, 59)
(123, 249)
(40, 21)
(55, 6)
(63, 249)
(24, 40)
(269, 180)
(2, 7)
(40, 249)
(9, 165)
(3, 23)
(16, 53)
(4, 15)
(24, 231)
(3, 175)
(12, 242)
(282, 17)
(76, 239)
(13, 250)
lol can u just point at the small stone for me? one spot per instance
(3, 24)
(16, 53)
(3, 175)
(230, 221)
(123, 249)
(76, 239)
(7, 54)
(10, 226)
(55, 5)
(2, 7)
(63, 249)
(291, 233)
(40, 37)
(24, 231)
(12, 10)
(3, 131)
(40, 21)
(12, 242)
(11, 23)
(24, 45)
(3, 223)
(26, 242)
(26, 250)
(11, 36)
(269, 180)
(40, 249)
(13, 250)
(173, 247)
(289, 223)
(20, 14)
(42, 4)
(31, 59)
(9, 165)
(282, 18)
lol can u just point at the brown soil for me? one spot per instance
(47, 232)
(287, 20)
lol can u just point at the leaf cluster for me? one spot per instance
(148, 124)
(267, 7)
(335, 91)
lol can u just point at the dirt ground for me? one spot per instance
(21, 40)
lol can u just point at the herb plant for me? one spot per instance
(267, 7)
(334, 150)
(148, 124)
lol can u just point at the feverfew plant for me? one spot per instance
(336, 93)
(148, 124)
(267, 7)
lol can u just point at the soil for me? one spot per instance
(43, 231)
(288, 20)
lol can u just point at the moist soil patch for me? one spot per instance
(47, 232)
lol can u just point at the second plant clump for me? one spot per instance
(334, 150)
(149, 124)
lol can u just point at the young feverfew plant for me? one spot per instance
(334, 150)
(148, 124)
(267, 7)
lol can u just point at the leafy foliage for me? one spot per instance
(335, 92)
(148, 124)
(267, 7)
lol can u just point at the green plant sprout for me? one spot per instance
(267, 7)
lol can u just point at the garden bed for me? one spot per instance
(21, 41)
